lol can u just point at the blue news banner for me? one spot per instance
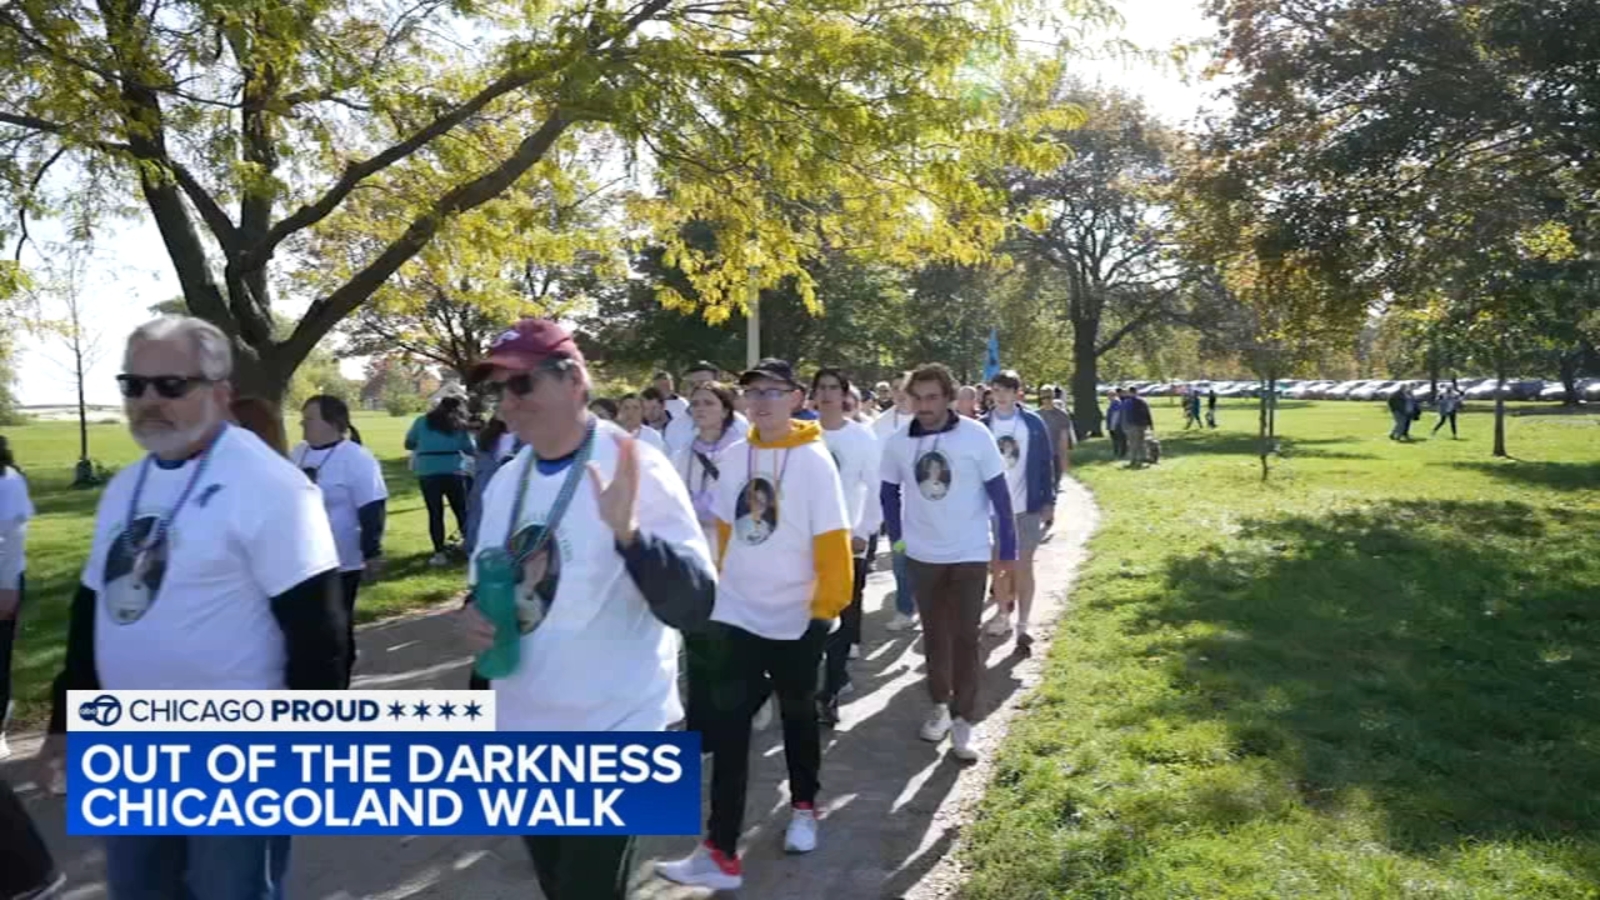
(124, 782)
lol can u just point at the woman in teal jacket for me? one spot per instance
(441, 446)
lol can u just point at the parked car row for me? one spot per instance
(1371, 388)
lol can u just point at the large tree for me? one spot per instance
(246, 129)
(1100, 220)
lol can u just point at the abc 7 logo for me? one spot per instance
(103, 710)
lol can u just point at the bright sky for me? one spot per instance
(130, 272)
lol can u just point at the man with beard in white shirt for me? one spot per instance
(855, 454)
(608, 559)
(952, 481)
(213, 567)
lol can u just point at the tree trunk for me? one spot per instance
(1085, 377)
(1569, 377)
(1272, 408)
(1500, 408)
(83, 408)
(1265, 449)
(254, 376)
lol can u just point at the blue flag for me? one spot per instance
(991, 362)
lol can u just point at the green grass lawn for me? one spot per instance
(58, 539)
(1375, 676)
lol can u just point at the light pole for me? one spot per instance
(753, 319)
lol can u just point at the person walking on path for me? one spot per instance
(16, 509)
(1024, 444)
(1119, 439)
(353, 493)
(1449, 406)
(700, 463)
(681, 429)
(891, 422)
(855, 452)
(1137, 422)
(212, 568)
(786, 574)
(442, 447)
(496, 445)
(630, 416)
(952, 478)
(608, 556)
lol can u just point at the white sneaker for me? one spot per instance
(438, 559)
(999, 626)
(901, 622)
(938, 724)
(961, 740)
(5, 748)
(763, 716)
(855, 651)
(705, 867)
(802, 834)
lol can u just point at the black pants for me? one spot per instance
(436, 489)
(1446, 417)
(1119, 443)
(351, 582)
(743, 661)
(8, 636)
(699, 674)
(25, 862)
(582, 868)
(837, 648)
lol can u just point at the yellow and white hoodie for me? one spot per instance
(785, 535)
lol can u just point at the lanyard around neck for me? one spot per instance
(558, 510)
(156, 534)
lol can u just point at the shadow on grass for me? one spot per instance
(1222, 443)
(1562, 476)
(1433, 662)
(1486, 407)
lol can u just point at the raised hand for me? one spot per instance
(618, 501)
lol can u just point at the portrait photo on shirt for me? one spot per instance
(537, 577)
(1009, 451)
(756, 512)
(133, 578)
(933, 475)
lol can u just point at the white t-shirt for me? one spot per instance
(15, 511)
(855, 452)
(599, 659)
(650, 436)
(889, 422)
(349, 477)
(945, 505)
(678, 406)
(769, 571)
(1011, 439)
(200, 615)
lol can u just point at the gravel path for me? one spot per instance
(893, 805)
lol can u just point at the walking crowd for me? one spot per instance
(658, 561)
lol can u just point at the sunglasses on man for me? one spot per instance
(170, 387)
(523, 383)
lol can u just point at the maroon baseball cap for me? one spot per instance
(526, 346)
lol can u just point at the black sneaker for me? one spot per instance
(1024, 646)
(827, 710)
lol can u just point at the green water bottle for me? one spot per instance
(496, 597)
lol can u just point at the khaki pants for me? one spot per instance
(950, 598)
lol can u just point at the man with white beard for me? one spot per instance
(213, 567)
